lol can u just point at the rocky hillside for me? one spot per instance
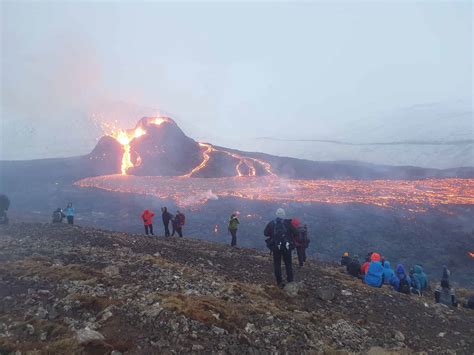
(75, 290)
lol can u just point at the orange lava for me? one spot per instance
(247, 161)
(125, 137)
(410, 195)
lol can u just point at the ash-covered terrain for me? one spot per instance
(68, 289)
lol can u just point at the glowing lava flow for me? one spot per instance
(124, 138)
(470, 254)
(249, 162)
(408, 195)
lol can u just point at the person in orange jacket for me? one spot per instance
(147, 217)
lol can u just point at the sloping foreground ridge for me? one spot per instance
(80, 290)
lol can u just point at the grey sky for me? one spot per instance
(228, 72)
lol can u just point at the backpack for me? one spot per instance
(280, 232)
(353, 268)
(404, 286)
(57, 216)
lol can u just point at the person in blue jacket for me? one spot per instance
(419, 281)
(388, 273)
(401, 282)
(374, 275)
(69, 211)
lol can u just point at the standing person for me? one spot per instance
(4, 205)
(167, 217)
(147, 217)
(301, 240)
(173, 225)
(445, 293)
(280, 234)
(58, 216)
(180, 220)
(233, 226)
(69, 213)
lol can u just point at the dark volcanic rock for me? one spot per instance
(121, 293)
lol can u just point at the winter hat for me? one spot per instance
(280, 213)
(375, 257)
(295, 222)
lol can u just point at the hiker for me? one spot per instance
(167, 217)
(445, 293)
(419, 281)
(180, 220)
(353, 268)
(58, 215)
(374, 275)
(401, 281)
(300, 240)
(147, 217)
(233, 226)
(69, 211)
(4, 206)
(387, 272)
(280, 233)
(173, 225)
(345, 260)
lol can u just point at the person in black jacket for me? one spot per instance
(280, 233)
(353, 268)
(166, 216)
(346, 259)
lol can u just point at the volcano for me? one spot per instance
(157, 146)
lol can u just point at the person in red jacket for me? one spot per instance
(147, 217)
(301, 240)
(365, 266)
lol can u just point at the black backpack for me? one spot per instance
(57, 216)
(404, 286)
(280, 232)
(353, 268)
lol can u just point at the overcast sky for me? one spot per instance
(227, 72)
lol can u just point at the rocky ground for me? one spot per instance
(70, 290)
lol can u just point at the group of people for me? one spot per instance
(375, 271)
(177, 222)
(283, 236)
(59, 214)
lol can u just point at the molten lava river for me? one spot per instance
(412, 195)
(189, 191)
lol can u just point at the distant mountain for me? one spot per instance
(437, 135)
(156, 146)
